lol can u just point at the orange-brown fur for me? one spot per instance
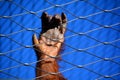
(48, 46)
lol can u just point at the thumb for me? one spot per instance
(35, 40)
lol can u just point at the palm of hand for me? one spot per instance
(52, 36)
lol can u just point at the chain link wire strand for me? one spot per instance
(91, 63)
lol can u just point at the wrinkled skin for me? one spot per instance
(49, 43)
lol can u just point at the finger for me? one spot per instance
(64, 19)
(35, 40)
(44, 14)
(45, 19)
(64, 23)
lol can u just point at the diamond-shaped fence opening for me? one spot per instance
(91, 49)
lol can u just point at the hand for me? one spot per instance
(52, 36)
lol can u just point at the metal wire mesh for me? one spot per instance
(91, 47)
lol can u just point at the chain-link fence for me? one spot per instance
(91, 49)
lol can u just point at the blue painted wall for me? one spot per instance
(86, 56)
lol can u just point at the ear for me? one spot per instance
(64, 19)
